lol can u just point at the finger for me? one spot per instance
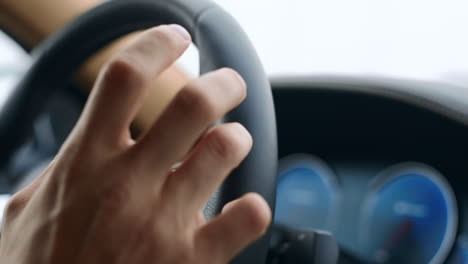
(123, 82)
(240, 223)
(194, 109)
(216, 155)
(20, 199)
(200, 220)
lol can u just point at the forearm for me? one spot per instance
(25, 19)
(33, 21)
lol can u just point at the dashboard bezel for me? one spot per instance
(392, 173)
(300, 103)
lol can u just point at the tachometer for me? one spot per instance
(410, 216)
(307, 194)
(460, 252)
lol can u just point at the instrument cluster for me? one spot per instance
(407, 213)
(380, 163)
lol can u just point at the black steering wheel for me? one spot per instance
(221, 43)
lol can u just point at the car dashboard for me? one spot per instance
(379, 163)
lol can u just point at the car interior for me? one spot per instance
(370, 168)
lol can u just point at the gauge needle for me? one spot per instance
(399, 234)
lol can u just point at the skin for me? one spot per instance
(107, 198)
(25, 20)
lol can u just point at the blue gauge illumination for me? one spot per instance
(410, 217)
(306, 193)
(460, 254)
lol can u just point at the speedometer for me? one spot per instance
(410, 216)
(307, 194)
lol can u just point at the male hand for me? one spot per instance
(107, 198)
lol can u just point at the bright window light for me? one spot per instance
(3, 201)
(422, 39)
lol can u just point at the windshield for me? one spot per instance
(13, 61)
(404, 39)
(410, 39)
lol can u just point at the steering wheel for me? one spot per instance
(221, 43)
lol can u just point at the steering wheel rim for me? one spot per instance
(221, 43)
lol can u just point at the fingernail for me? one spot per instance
(236, 75)
(180, 30)
(241, 79)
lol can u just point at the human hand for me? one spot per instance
(107, 198)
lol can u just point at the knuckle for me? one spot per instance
(124, 71)
(193, 101)
(15, 204)
(228, 144)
